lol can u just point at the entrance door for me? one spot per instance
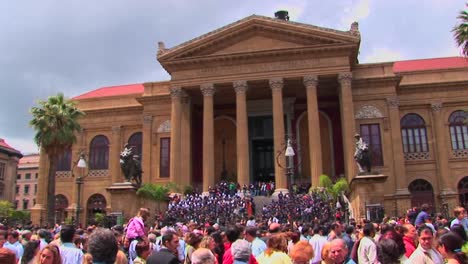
(263, 160)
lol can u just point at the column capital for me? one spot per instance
(436, 107)
(147, 119)
(310, 81)
(207, 89)
(393, 102)
(116, 129)
(240, 86)
(345, 78)
(276, 83)
(176, 92)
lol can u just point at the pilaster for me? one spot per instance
(146, 148)
(347, 122)
(114, 155)
(315, 147)
(208, 91)
(242, 134)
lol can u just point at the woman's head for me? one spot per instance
(277, 243)
(301, 252)
(50, 255)
(142, 249)
(30, 250)
(450, 245)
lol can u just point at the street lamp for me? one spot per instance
(289, 153)
(79, 182)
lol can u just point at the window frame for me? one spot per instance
(458, 130)
(164, 157)
(414, 134)
(374, 142)
(99, 153)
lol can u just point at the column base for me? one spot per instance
(278, 191)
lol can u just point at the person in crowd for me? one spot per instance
(388, 251)
(136, 225)
(50, 254)
(103, 246)
(203, 256)
(450, 245)
(7, 256)
(336, 230)
(301, 253)
(339, 252)
(193, 242)
(390, 233)
(31, 251)
(25, 237)
(317, 241)
(219, 246)
(409, 239)
(347, 237)
(460, 218)
(209, 243)
(459, 230)
(422, 216)
(68, 251)
(425, 252)
(367, 250)
(44, 237)
(257, 245)
(168, 253)
(241, 251)
(143, 251)
(325, 254)
(14, 244)
(275, 253)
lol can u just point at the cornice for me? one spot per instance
(162, 99)
(114, 110)
(365, 82)
(423, 86)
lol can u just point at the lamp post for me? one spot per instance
(79, 182)
(289, 153)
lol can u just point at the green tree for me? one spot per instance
(55, 121)
(335, 189)
(6, 209)
(155, 192)
(460, 31)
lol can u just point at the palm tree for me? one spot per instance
(55, 122)
(461, 32)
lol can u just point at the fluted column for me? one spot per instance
(347, 122)
(397, 146)
(186, 141)
(276, 85)
(315, 147)
(442, 150)
(175, 153)
(208, 91)
(146, 148)
(114, 158)
(242, 133)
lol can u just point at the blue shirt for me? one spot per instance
(70, 254)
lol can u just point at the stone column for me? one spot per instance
(186, 141)
(347, 122)
(276, 85)
(442, 151)
(146, 148)
(175, 154)
(208, 91)
(242, 133)
(115, 150)
(402, 195)
(315, 147)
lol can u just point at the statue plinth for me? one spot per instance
(124, 198)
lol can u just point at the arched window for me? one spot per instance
(61, 204)
(421, 193)
(463, 191)
(99, 153)
(459, 129)
(413, 134)
(64, 160)
(135, 141)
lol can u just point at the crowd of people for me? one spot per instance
(219, 228)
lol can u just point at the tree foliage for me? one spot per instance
(155, 192)
(55, 121)
(460, 31)
(335, 189)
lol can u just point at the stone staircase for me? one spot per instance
(260, 201)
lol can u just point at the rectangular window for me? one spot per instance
(17, 189)
(25, 204)
(164, 157)
(35, 189)
(370, 133)
(27, 176)
(37, 175)
(26, 189)
(18, 176)
(2, 170)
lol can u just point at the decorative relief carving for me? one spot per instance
(164, 127)
(417, 156)
(98, 173)
(147, 119)
(207, 89)
(345, 78)
(310, 81)
(240, 86)
(460, 153)
(393, 102)
(276, 83)
(436, 107)
(63, 174)
(368, 111)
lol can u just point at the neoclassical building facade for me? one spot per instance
(237, 94)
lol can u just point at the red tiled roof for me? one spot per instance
(28, 159)
(430, 64)
(113, 91)
(5, 146)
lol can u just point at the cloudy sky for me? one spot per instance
(75, 46)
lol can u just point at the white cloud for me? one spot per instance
(358, 11)
(382, 55)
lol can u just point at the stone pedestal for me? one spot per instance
(124, 199)
(365, 190)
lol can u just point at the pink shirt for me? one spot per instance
(135, 228)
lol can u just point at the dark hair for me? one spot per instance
(14, 234)
(30, 251)
(67, 233)
(194, 239)
(368, 229)
(251, 231)
(459, 230)
(388, 251)
(424, 228)
(453, 243)
(103, 246)
(349, 229)
(167, 237)
(141, 247)
(219, 248)
(232, 233)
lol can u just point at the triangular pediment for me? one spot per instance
(257, 34)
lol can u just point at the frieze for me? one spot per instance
(310, 81)
(165, 127)
(367, 112)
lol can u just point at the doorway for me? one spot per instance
(263, 160)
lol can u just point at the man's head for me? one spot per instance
(13, 236)
(203, 256)
(409, 231)
(67, 233)
(369, 230)
(338, 250)
(250, 233)
(102, 245)
(337, 228)
(143, 213)
(459, 212)
(426, 237)
(241, 250)
(424, 207)
(232, 233)
(170, 240)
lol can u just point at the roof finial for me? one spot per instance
(354, 28)
(161, 48)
